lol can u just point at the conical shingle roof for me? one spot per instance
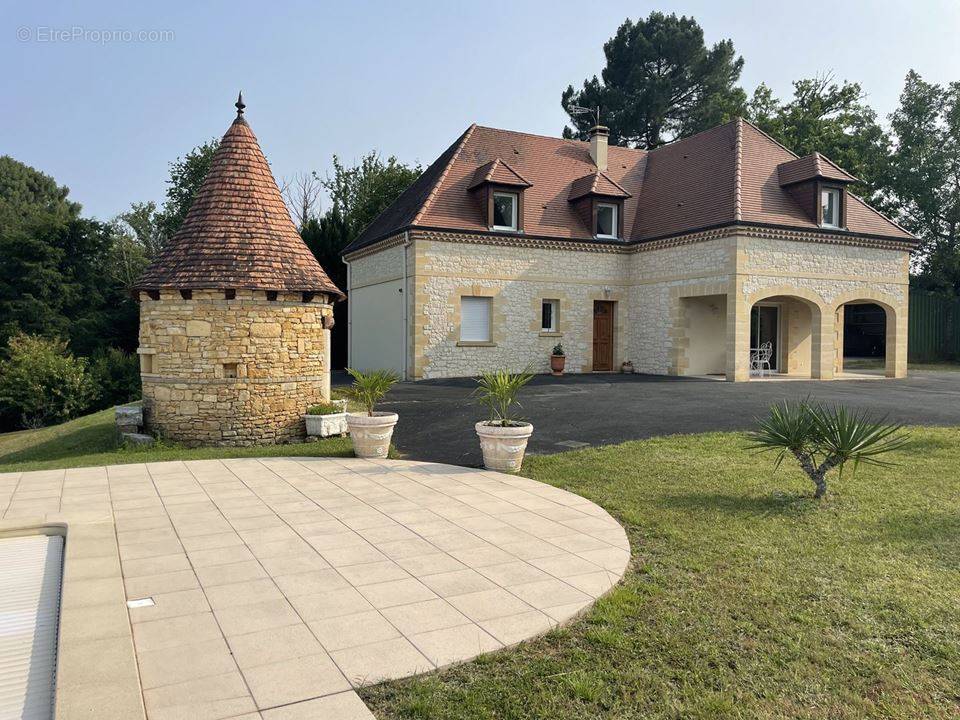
(238, 232)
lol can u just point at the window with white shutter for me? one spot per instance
(475, 319)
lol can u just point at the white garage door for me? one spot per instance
(32, 568)
(376, 327)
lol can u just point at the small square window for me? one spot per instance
(505, 210)
(830, 207)
(606, 220)
(548, 315)
(147, 364)
(474, 319)
(229, 370)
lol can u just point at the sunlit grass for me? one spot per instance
(745, 598)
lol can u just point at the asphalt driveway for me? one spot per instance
(437, 416)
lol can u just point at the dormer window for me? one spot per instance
(607, 221)
(505, 211)
(830, 207)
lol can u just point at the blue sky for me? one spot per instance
(105, 115)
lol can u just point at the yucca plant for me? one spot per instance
(369, 388)
(498, 390)
(823, 438)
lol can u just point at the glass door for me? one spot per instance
(765, 328)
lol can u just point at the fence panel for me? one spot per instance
(934, 332)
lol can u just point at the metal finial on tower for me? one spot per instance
(239, 104)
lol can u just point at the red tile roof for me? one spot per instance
(238, 232)
(596, 183)
(811, 167)
(497, 172)
(723, 176)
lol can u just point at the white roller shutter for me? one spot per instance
(475, 319)
(32, 568)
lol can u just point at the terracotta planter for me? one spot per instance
(503, 447)
(556, 364)
(371, 433)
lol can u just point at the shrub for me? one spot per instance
(369, 388)
(324, 409)
(558, 349)
(822, 438)
(42, 383)
(116, 375)
(498, 390)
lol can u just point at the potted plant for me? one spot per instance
(503, 438)
(557, 360)
(370, 430)
(626, 367)
(327, 419)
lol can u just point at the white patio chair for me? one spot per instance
(764, 355)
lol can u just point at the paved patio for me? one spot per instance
(280, 585)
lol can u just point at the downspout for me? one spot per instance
(349, 315)
(406, 308)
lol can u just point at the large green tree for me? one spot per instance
(362, 191)
(924, 178)
(661, 81)
(187, 174)
(831, 118)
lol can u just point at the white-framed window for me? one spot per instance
(548, 315)
(830, 207)
(506, 209)
(475, 318)
(607, 220)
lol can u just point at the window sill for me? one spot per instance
(606, 237)
(474, 343)
(495, 228)
(550, 333)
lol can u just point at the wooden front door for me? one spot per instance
(602, 335)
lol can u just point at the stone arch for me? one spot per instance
(895, 353)
(808, 343)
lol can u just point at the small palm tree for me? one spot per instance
(369, 388)
(498, 390)
(822, 438)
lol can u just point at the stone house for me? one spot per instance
(235, 312)
(683, 260)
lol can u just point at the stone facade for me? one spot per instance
(232, 372)
(664, 293)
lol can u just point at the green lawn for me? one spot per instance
(745, 599)
(877, 364)
(91, 440)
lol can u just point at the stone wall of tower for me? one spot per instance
(232, 372)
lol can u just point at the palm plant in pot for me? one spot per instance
(503, 438)
(370, 430)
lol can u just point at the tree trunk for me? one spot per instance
(821, 482)
(817, 474)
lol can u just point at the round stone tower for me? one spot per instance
(235, 312)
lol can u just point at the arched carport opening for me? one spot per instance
(866, 338)
(785, 330)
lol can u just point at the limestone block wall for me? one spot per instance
(827, 269)
(517, 279)
(824, 275)
(661, 278)
(232, 372)
(661, 293)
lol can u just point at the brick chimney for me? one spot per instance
(598, 146)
